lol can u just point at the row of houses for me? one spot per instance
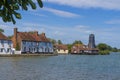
(25, 42)
(80, 48)
(32, 42)
(83, 49)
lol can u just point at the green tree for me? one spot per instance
(17, 47)
(1, 30)
(59, 42)
(9, 8)
(10, 37)
(53, 41)
(102, 46)
(109, 48)
(69, 47)
(114, 49)
(77, 42)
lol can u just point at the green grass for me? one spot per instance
(105, 52)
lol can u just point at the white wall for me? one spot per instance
(62, 51)
(6, 47)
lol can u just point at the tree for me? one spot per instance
(102, 46)
(9, 8)
(69, 47)
(17, 47)
(59, 42)
(115, 49)
(10, 37)
(109, 48)
(77, 42)
(1, 30)
(53, 41)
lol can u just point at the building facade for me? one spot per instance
(85, 49)
(61, 49)
(31, 42)
(91, 43)
(6, 45)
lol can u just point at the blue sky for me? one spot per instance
(70, 20)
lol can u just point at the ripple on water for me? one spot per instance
(62, 67)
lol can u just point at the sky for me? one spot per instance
(70, 20)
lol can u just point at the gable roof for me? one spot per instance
(2, 36)
(43, 38)
(28, 36)
(61, 46)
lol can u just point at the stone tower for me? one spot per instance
(91, 43)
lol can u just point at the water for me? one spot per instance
(62, 67)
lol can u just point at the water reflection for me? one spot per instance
(62, 67)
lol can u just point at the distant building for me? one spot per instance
(85, 49)
(91, 43)
(31, 42)
(5, 45)
(61, 48)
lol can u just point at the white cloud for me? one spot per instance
(105, 4)
(113, 22)
(5, 27)
(61, 13)
(68, 34)
(84, 29)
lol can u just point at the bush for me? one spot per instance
(104, 52)
(17, 47)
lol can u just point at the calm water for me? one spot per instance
(62, 67)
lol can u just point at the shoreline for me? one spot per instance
(25, 55)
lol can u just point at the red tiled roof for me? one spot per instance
(2, 36)
(43, 37)
(32, 36)
(61, 46)
(25, 36)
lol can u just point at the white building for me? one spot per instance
(61, 48)
(5, 45)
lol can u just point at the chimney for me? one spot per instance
(43, 33)
(15, 38)
(36, 33)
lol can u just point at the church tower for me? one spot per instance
(91, 43)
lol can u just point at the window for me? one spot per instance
(1, 50)
(8, 50)
(24, 48)
(58, 49)
(34, 49)
(24, 42)
(29, 49)
(37, 43)
(2, 43)
(9, 42)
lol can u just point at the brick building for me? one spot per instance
(31, 42)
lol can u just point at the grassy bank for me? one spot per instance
(104, 52)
